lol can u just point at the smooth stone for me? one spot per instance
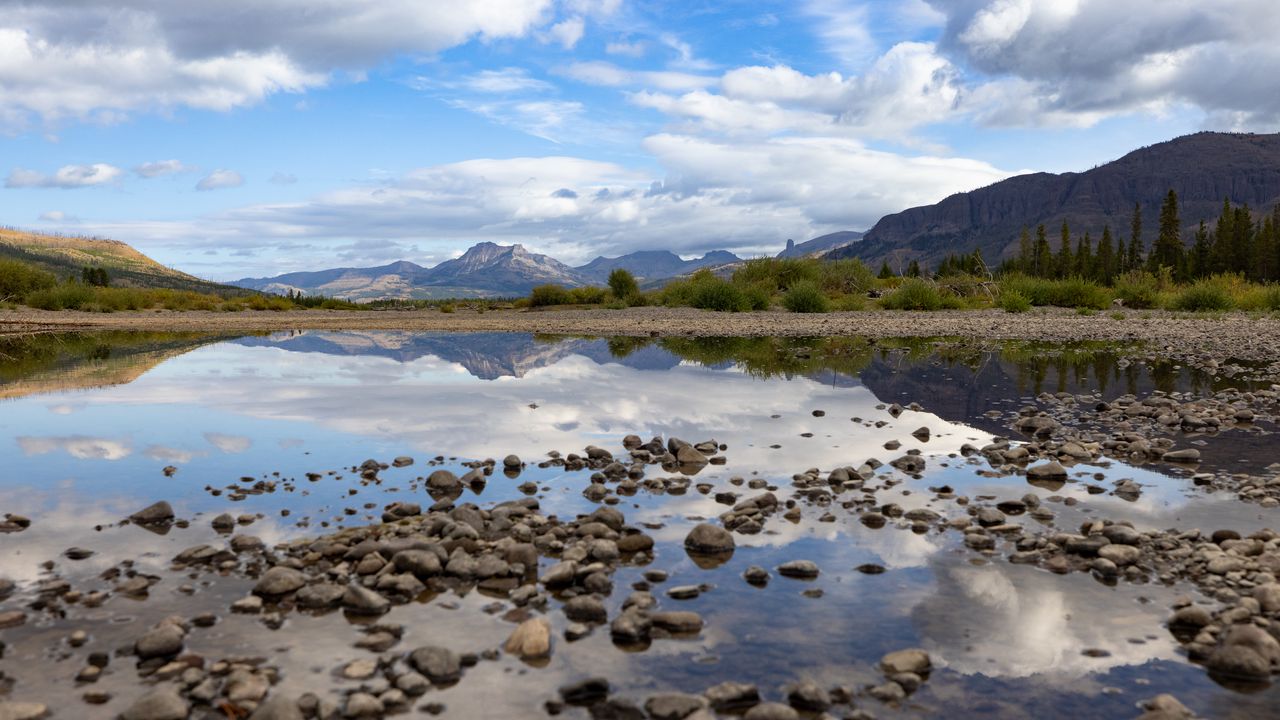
(912, 660)
(1047, 471)
(803, 569)
(771, 711)
(279, 580)
(156, 513)
(278, 707)
(162, 641)
(585, 691)
(1120, 554)
(23, 711)
(531, 639)
(440, 665)
(707, 538)
(361, 600)
(162, 703)
(673, 706)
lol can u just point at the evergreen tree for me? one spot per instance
(913, 270)
(1133, 259)
(1106, 257)
(1220, 255)
(1043, 255)
(885, 271)
(1084, 257)
(1065, 263)
(1241, 241)
(1201, 260)
(1264, 251)
(1026, 254)
(1167, 250)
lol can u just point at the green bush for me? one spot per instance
(918, 294)
(759, 296)
(845, 277)
(447, 308)
(545, 295)
(706, 291)
(849, 303)
(589, 295)
(1138, 289)
(1014, 302)
(780, 273)
(67, 296)
(806, 297)
(1071, 292)
(17, 279)
(1208, 295)
(1265, 298)
(623, 284)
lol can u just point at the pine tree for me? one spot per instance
(1065, 263)
(1134, 259)
(1084, 257)
(1043, 255)
(1220, 255)
(1201, 254)
(1106, 256)
(1167, 250)
(885, 271)
(1026, 255)
(1264, 251)
(913, 270)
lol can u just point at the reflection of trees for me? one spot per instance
(766, 357)
(49, 362)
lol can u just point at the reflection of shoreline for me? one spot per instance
(43, 364)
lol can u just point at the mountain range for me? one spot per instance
(484, 270)
(1203, 169)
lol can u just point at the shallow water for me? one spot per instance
(88, 423)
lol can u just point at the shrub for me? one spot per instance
(1071, 292)
(845, 277)
(806, 297)
(447, 308)
(1209, 295)
(545, 295)
(1014, 302)
(623, 284)
(67, 296)
(588, 295)
(706, 291)
(1138, 289)
(780, 273)
(1265, 298)
(849, 303)
(918, 294)
(17, 279)
(759, 296)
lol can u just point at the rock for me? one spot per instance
(732, 695)
(585, 692)
(360, 600)
(673, 706)
(689, 455)
(23, 711)
(1165, 707)
(279, 580)
(223, 522)
(803, 569)
(154, 514)
(443, 481)
(771, 711)
(1186, 455)
(808, 696)
(402, 461)
(162, 641)
(512, 462)
(362, 669)
(560, 575)
(278, 707)
(440, 665)
(530, 640)
(77, 553)
(162, 703)
(912, 660)
(12, 618)
(363, 705)
(422, 563)
(756, 575)
(1047, 471)
(1191, 616)
(682, 622)
(1121, 555)
(586, 608)
(1239, 663)
(1268, 597)
(709, 539)
(319, 596)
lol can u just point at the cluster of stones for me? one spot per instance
(904, 671)
(12, 523)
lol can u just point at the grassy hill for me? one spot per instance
(66, 256)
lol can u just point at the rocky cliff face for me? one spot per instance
(1203, 169)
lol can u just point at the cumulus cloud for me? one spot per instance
(220, 179)
(66, 177)
(566, 33)
(81, 447)
(71, 60)
(1078, 62)
(160, 168)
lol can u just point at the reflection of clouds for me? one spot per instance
(230, 444)
(82, 447)
(1015, 621)
(65, 408)
(172, 454)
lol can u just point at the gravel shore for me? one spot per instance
(1234, 336)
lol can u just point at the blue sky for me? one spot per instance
(275, 135)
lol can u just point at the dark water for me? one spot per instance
(88, 422)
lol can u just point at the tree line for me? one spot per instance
(1236, 244)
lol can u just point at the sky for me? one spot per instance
(256, 137)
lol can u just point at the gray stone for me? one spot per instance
(162, 703)
(278, 707)
(361, 600)
(279, 580)
(912, 660)
(154, 514)
(440, 665)
(709, 539)
(162, 641)
(771, 711)
(804, 569)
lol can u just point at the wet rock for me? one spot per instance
(439, 665)
(673, 706)
(512, 462)
(1121, 555)
(155, 514)
(586, 608)
(1047, 471)
(162, 703)
(689, 455)
(363, 705)
(319, 596)
(681, 622)
(731, 695)
(1247, 652)
(912, 660)
(709, 539)
(801, 569)
(361, 600)
(808, 696)
(443, 481)
(223, 523)
(77, 553)
(585, 692)
(278, 707)
(1165, 707)
(1186, 455)
(771, 711)
(422, 563)
(402, 461)
(632, 626)
(530, 640)
(12, 618)
(1268, 597)
(560, 575)
(23, 711)
(163, 641)
(279, 580)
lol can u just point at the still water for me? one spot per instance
(89, 423)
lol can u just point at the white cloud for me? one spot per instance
(230, 444)
(566, 33)
(99, 63)
(220, 179)
(843, 27)
(505, 80)
(629, 49)
(81, 447)
(599, 72)
(546, 119)
(160, 168)
(66, 177)
(58, 216)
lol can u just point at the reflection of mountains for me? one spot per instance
(487, 356)
(46, 363)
